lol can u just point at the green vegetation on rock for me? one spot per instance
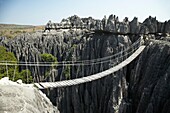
(12, 71)
(26, 76)
(67, 72)
(48, 58)
(7, 70)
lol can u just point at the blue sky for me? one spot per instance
(38, 12)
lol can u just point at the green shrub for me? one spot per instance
(12, 71)
(7, 56)
(48, 58)
(66, 72)
(25, 76)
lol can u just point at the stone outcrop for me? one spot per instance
(22, 98)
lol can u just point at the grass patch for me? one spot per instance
(12, 30)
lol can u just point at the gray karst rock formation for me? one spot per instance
(22, 98)
(112, 24)
(140, 87)
(149, 87)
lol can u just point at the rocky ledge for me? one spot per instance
(23, 98)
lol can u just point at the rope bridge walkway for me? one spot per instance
(64, 83)
(115, 62)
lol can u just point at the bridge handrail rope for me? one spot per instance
(70, 62)
(65, 64)
(82, 61)
(119, 57)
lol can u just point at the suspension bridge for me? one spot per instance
(116, 62)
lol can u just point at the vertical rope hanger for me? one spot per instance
(91, 69)
(78, 69)
(7, 69)
(14, 73)
(62, 71)
(110, 63)
(33, 75)
(101, 66)
(82, 69)
(27, 72)
(34, 78)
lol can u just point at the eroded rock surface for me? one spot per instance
(149, 80)
(22, 98)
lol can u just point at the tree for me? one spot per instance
(12, 71)
(67, 72)
(25, 76)
(51, 60)
(7, 70)
(48, 58)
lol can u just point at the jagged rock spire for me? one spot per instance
(112, 24)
